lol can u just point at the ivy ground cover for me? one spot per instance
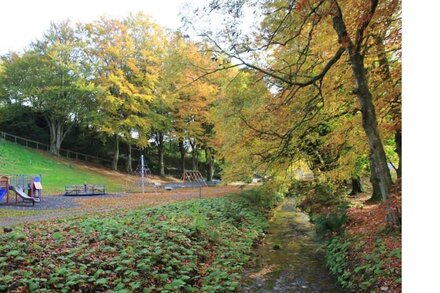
(193, 246)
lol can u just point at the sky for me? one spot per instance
(23, 21)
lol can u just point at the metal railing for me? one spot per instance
(69, 154)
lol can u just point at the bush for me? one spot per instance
(321, 197)
(330, 223)
(262, 198)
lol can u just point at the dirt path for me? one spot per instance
(56, 207)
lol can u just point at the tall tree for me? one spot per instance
(295, 47)
(126, 56)
(187, 97)
(50, 77)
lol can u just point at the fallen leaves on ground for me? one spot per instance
(368, 223)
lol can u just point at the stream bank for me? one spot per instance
(290, 259)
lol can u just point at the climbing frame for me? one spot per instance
(193, 176)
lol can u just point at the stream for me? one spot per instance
(290, 258)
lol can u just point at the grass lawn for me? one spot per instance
(56, 173)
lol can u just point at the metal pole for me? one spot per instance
(142, 171)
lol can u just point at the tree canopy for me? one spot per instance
(279, 84)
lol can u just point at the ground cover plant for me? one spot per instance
(366, 256)
(198, 245)
(362, 244)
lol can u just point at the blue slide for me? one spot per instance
(3, 192)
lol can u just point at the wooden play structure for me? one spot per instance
(190, 177)
(26, 187)
(4, 188)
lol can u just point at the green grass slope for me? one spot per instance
(56, 173)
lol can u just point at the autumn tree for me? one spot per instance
(296, 47)
(50, 77)
(125, 55)
(184, 97)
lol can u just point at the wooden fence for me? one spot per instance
(45, 147)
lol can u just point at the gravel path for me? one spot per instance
(54, 207)
(55, 202)
(57, 206)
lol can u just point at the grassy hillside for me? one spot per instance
(56, 172)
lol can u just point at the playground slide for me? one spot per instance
(3, 192)
(19, 191)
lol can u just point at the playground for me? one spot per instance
(27, 188)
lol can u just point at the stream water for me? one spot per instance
(290, 259)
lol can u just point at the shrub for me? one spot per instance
(330, 223)
(263, 198)
(320, 198)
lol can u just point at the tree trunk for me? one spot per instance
(160, 152)
(386, 76)
(194, 153)
(356, 186)
(182, 155)
(376, 196)
(116, 154)
(379, 164)
(209, 163)
(398, 139)
(53, 138)
(369, 123)
(129, 166)
(57, 135)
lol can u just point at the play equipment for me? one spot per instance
(4, 187)
(193, 177)
(27, 187)
(84, 189)
(20, 192)
(190, 179)
(144, 173)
